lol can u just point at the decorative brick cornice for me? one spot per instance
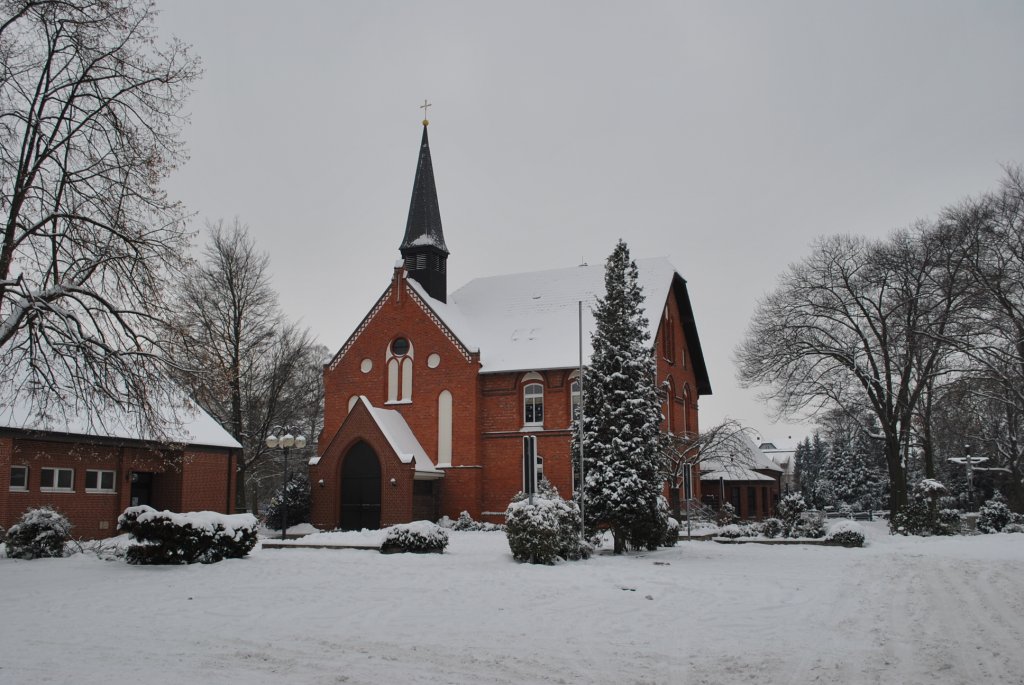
(362, 327)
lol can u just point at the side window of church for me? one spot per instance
(533, 404)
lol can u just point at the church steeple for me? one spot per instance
(423, 250)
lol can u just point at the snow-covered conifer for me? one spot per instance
(622, 410)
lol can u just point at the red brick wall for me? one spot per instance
(675, 364)
(401, 314)
(94, 515)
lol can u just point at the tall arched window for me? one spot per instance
(667, 404)
(444, 428)
(686, 408)
(399, 362)
(668, 337)
(533, 399)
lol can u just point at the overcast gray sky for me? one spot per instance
(726, 136)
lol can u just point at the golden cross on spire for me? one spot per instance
(424, 107)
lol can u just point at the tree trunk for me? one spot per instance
(897, 474)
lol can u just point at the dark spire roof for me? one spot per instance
(423, 228)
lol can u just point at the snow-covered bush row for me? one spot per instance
(40, 533)
(418, 536)
(1014, 528)
(733, 531)
(466, 522)
(166, 537)
(845, 533)
(547, 529)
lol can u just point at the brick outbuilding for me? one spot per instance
(466, 384)
(92, 471)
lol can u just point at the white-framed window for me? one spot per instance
(56, 480)
(19, 478)
(100, 480)
(533, 404)
(399, 364)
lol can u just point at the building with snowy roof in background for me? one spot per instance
(435, 398)
(92, 465)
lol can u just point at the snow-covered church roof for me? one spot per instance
(527, 321)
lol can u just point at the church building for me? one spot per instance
(435, 398)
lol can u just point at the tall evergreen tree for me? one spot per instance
(622, 414)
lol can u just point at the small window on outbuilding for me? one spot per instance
(19, 478)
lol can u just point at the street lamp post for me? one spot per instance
(285, 442)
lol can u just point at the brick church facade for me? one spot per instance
(431, 401)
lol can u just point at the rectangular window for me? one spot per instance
(56, 479)
(100, 481)
(19, 478)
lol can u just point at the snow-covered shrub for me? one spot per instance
(545, 530)
(845, 511)
(791, 508)
(994, 515)
(1017, 518)
(809, 527)
(296, 491)
(726, 515)
(1013, 528)
(671, 533)
(418, 536)
(39, 533)
(772, 528)
(533, 530)
(732, 531)
(845, 533)
(921, 515)
(166, 537)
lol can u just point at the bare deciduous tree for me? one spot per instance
(90, 119)
(861, 324)
(684, 453)
(239, 357)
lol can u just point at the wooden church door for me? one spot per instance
(360, 489)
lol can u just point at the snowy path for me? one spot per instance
(902, 610)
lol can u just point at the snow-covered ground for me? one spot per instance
(902, 610)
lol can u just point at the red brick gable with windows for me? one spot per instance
(460, 387)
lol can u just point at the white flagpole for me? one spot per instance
(583, 525)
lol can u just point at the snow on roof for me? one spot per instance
(741, 465)
(526, 321)
(185, 423)
(402, 440)
(730, 471)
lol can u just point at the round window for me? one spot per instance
(399, 347)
